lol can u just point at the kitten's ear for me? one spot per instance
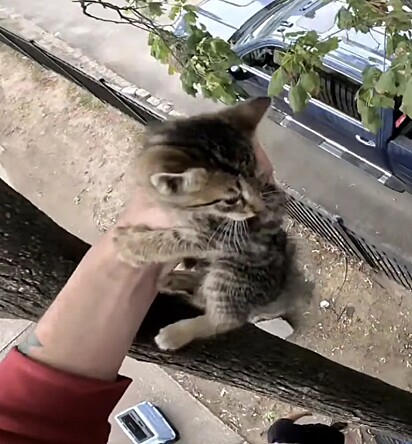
(246, 115)
(190, 181)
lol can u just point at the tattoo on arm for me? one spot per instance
(31, 342)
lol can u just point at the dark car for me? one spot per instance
(257, 28)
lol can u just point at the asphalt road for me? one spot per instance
(364, 204)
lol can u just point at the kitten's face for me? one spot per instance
(215, 193)
(241, 201)
(207, 163)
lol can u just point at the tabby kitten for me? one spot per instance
(204, 169)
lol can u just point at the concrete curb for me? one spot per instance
(23, 27)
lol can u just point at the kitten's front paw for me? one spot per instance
(180, 282)
(128, 243)
(172, 337)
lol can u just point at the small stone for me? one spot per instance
(324, 304)
(142, 93)
(129, 90)
(350, 311)
(155, 101)
(277, 327)
(175, 114)
(165, 107)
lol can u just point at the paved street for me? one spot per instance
(363, 203)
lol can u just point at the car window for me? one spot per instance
(336, 90)
(262, 59)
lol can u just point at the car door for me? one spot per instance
(400, 148)
(332, 116)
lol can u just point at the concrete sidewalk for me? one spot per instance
(195, 423)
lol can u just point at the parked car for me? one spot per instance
(256, 28)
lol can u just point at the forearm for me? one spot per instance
(90, 326)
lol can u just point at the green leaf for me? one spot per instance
(298, 98)
(294, 34)
(362, 28)
(370, 74)
(407, 100)
(380, 101)
(369, 115)
(401, 86)
(189, 89)
(328, 45)
(190, 8)
(290, 63)
(175, 11)
(386, 83)
(155, 8)
(310, 81)
(344, 19)
(310, 38)
(392, 43)
(190, 19)
(219, 46)
(278, 56)
(278, 80)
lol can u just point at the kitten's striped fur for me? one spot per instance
(204, 169)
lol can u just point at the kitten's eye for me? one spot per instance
(231, 201)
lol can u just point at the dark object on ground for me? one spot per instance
(286, 431)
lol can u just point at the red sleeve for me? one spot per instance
(40, 405)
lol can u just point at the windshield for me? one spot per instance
(320, 19)
(258, 25)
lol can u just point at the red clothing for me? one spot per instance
(42, 405)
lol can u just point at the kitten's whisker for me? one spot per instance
(231, 229)
(235, 245)
(217, 231)
(236, 235)
(239, 238)
(225, 234)
(244, 233)
(233, 236)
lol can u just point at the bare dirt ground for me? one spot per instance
(73, 157)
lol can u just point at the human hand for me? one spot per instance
(142, 209)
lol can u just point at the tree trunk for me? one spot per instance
(37, 257)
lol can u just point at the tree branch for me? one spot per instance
(37, 257)
(127, 15)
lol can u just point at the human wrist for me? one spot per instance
(106, 255)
